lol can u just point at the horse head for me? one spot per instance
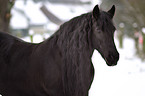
(103, 35)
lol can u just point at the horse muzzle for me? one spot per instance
(112, 59)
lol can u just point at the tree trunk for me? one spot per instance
(143, 43)
(5, 15)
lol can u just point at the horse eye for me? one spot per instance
(114, 28)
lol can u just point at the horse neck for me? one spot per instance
(76, 61)
(73, 41)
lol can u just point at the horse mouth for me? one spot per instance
(110, 62)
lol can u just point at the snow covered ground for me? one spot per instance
(125, 79)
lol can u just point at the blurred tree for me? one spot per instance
(5, 14)
(129, 12)
(135, 16)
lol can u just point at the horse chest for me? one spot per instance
(88, 75)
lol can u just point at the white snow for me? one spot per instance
(65, 12)
(31, 10)
(34, 14)
(18, 20)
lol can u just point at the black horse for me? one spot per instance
(60, 65)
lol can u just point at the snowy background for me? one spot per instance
(125, 79)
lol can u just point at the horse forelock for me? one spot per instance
(104, 22)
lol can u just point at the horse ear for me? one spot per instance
(112, 11)
(96, 12)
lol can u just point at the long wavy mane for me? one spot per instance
(73, 41)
